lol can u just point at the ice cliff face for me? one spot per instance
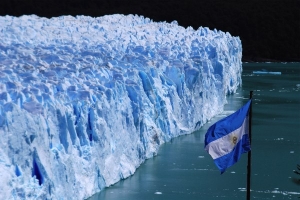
(84, 101)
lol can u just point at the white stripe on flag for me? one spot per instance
(226, 144)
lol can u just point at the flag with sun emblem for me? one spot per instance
(228, 138)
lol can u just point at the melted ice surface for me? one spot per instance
(84, 101)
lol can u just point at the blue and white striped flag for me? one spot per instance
(228, 138)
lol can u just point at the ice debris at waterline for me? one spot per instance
(84, 101)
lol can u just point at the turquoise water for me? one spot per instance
(183, 170)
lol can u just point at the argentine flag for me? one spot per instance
(228, 138)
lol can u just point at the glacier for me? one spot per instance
(85, 101)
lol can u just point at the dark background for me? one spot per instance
(269, 29)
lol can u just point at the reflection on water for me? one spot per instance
(183, 170)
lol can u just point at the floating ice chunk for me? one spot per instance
(266, 72)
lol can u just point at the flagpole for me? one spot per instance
(249, 152)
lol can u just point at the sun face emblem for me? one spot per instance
(234, 139)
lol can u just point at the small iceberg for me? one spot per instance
(264, 71)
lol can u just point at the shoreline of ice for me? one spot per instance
(84, 101)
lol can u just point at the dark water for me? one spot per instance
(182, 170)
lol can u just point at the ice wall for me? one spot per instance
(84, 101)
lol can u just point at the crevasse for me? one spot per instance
(84, 101)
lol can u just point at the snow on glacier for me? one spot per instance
(84, 101)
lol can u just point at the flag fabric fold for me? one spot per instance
(228, 138)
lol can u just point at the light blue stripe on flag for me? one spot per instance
(228, 138)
